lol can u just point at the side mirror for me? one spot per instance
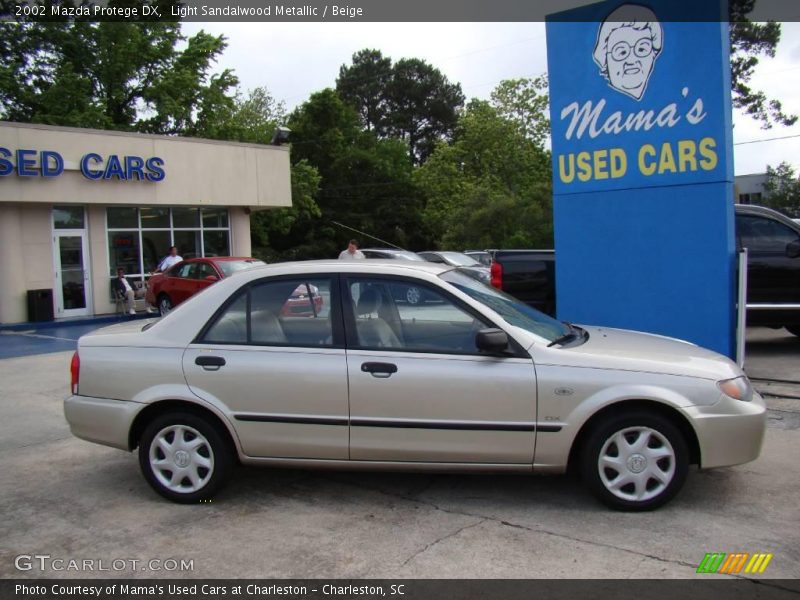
(793, 249)
(212, 278)
(491, 341)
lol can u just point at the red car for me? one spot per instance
(167, 290)
(298, 305)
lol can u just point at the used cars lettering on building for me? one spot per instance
(48, 163)
(475, 381)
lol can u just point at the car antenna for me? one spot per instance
(367, 235)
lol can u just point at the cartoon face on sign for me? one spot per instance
(628, 42)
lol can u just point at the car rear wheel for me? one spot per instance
(164, 305)
(183, 457)
(635, 462)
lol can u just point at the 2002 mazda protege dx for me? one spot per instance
(471, 379)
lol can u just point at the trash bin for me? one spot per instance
(40, 305)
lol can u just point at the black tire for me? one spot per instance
(213, 446)
(661, 436)
(164, 305)
(793, 329)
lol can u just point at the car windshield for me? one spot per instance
(229, 267)
(513, 311)
(459, 260)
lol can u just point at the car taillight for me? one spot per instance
(75, 372)
(497, 275)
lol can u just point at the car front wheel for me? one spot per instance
(183, 457)
(164, 305)
(635, 462)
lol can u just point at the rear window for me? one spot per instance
(229, 267)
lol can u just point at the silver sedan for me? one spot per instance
(476, 381)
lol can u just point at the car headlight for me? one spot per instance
(738, 388)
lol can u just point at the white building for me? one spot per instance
(75, 204)
(749, 189)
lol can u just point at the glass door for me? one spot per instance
(70, 254)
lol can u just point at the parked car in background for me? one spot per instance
(480, 382)
(529, 275)
(773, 266)
(390, 254)
(469, 265)
(183, 280)
(411, 295)
(482, 256)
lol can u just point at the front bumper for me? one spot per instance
(730, 432)
(101, 420)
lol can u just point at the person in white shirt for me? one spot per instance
(352, 252)
(173, 258)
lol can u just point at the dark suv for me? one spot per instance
(773, 266)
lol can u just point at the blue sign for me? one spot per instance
(47, 163)
(642, 169)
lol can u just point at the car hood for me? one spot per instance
(624, 350)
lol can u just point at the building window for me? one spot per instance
(754, 198)
(68, 217)
(138, 238)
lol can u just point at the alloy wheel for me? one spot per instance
(636, 463)
(181, 459)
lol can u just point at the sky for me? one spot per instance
(293, 60)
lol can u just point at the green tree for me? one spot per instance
(748, 41)
(422, 106)
(112, 75)
(363, 85)
(489, 188)
(366, 182)
(783, 189)
(525, 102)
(409, 100)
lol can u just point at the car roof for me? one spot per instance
(752, 209)
(376, 266)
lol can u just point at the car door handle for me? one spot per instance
(379, 369)
(210, 363)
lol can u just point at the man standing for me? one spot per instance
(352, 252)
(171, 259)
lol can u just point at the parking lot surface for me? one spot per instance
(71, 499)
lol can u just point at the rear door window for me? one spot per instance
(283, 312)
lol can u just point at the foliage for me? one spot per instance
(408, 100)
(526, 103)
(490, 188)
(748, 41)
(365, 183)
(363, 85)
(783, 189)
(112, 75)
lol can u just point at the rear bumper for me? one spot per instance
(101, 420)
(730, 432)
